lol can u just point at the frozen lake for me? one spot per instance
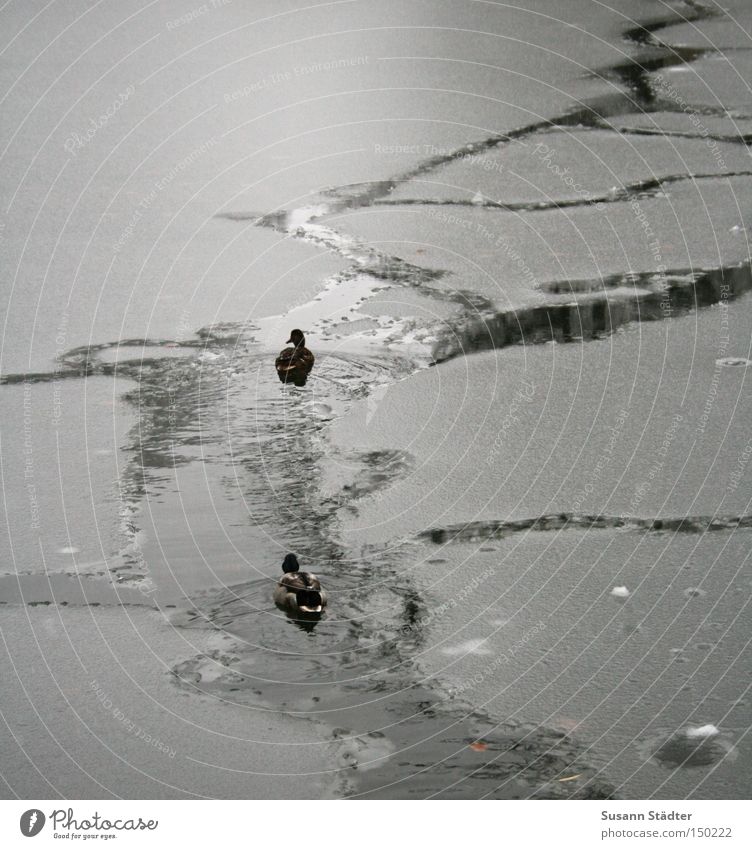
(517, 241)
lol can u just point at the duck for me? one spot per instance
(299, 592)
(295, 364)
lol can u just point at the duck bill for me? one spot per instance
(304, 608)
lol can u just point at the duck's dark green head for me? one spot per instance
(290, 564)
(296, 338)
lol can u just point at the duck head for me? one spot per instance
(296, 338)
(290, 564)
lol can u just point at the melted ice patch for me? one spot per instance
(700, 746)
(476, 646)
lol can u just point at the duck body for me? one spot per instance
(294, 364)
(299, 592)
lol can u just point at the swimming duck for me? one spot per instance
(295, 364)
(299, 592)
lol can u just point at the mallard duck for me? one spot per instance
(299, 592)
(295, 364)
